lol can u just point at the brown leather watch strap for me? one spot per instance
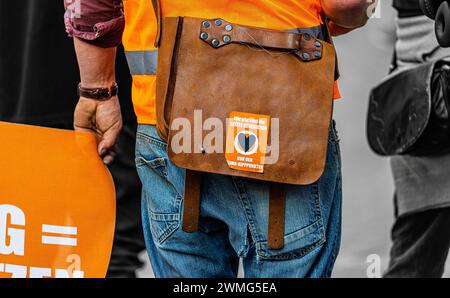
(98, 93)
(192, 193)
(277, 203)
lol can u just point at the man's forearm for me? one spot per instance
(349, 13)
(97, 65)
(101, 117)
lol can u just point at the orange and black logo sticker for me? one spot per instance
(247, 136)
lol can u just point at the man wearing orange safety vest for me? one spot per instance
(233, 222)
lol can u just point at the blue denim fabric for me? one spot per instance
(234, 219)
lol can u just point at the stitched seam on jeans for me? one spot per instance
(158, 162)
(299, 234)
(164, 216)
(316, 227)
(167, 217)
(243, 196)
(151, 140)
(167, 232)
(159, 167)
(318, 215)
(157, 215)
(291, 255)
(319, 210)
(139, 162)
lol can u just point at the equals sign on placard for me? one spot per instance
(66, 235)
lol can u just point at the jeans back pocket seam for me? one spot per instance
(150, 139)
(154, 164)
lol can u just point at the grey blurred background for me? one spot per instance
(368, 212)
(364, 58)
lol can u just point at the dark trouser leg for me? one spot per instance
(128, 239)
(420, 244)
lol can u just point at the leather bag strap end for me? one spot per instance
(277, 202)
(192, 194)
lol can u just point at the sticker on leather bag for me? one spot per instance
(246, 142)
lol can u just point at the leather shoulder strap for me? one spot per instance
(329, 39)
(157, 9)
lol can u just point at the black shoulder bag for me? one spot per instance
(409, 112)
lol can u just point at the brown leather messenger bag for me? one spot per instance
(227, 70)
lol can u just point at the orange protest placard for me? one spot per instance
(57, 204)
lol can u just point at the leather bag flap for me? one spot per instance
(249, 79)
(399, 110)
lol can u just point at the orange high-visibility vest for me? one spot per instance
(140, 33)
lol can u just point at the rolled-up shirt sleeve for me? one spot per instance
(99, 22)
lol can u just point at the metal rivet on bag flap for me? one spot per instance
(204, 35)
(226, 38)
(317, 54)
(206, 24)
(215, 42)
(305, 56)
(218, 22)
(317, 44)
(228, 27)
(306, 36)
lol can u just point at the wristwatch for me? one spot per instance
(98, 93)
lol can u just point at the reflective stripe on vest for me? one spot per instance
(142, 62)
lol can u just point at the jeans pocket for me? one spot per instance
(158, 165)
(162, 223)
(304, 230)
(163, 201)
(162, 183)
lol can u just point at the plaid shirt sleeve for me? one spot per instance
(99, 22)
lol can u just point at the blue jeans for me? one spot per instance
(234, 219)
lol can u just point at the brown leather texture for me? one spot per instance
(166, 70)
(277, 205)
(157, 10)
(261, 73)
(192, 194)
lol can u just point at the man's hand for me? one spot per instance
(104, 119)
(347, 15)
(337, 30)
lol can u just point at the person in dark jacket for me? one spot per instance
(421, 233)
(38, 69)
